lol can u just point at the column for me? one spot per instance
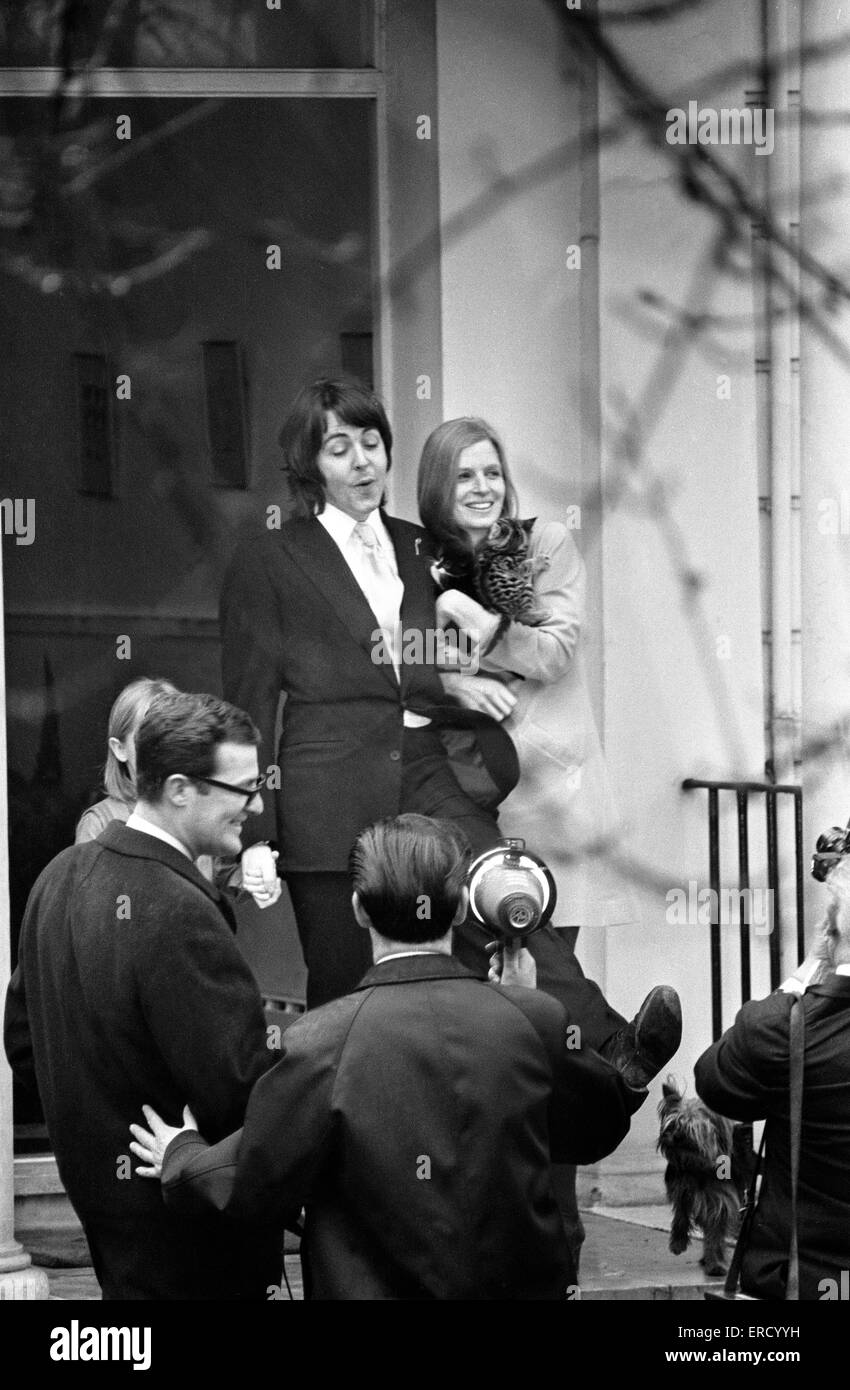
(18, 1276)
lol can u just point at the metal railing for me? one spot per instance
(771, 791)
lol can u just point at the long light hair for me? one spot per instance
(437, 479)
(125, 717)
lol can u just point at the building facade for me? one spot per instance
(486, 209)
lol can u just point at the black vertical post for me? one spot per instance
(798, 854)
(714, 880)
(744, 902)
(773, 885)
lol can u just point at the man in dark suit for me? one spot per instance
(416, 1118)
(745, 1076)
(130, 987)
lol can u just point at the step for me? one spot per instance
(625, 1257)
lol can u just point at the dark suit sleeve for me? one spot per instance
(16, 1031)
(250, 661)
(285, 1141)
(589, 1112)
(736, 1074)
(204, 1010)
(198, 1177)
(288, 1132)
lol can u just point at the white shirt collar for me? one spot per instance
(340, 526)
(137, 822)
(843, 969)
(400, 955)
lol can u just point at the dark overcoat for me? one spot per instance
(416, 1120)
(130, 988)
(745, 1076)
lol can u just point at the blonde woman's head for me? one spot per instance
(119, 774)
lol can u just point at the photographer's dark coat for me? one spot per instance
(416, 1119)
(130, 989)
(745, 1076)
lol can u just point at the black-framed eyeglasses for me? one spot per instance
(248, 792)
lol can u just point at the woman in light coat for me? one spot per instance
(530, 672)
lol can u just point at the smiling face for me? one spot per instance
(215, 817)
(479, 489)
(353, 463)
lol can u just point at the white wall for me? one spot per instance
(513, 352)
(510, 305)
(679, 699)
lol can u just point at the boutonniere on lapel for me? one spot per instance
(500, 575)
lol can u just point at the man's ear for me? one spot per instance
(462, 907)
(175, 789)
(361, 915)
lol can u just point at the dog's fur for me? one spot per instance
(694, 1140)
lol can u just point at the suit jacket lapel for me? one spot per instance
(320, 560)
(409, 564)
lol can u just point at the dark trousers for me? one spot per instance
(337, 952)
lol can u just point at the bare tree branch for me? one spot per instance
(141, 144)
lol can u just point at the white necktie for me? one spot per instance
(382, 587)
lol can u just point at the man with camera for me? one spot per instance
(747, 1076)
(415, 1119)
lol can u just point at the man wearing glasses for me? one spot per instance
(130, 987)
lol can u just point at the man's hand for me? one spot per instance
(151, 1143)
(484, 693)
(467, 614)
(511, 964)
(259, 874)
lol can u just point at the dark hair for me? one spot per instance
(304, 429)
(180, 733)
(408, 872)
(435, 484)
(831, 847)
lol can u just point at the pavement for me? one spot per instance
(625, 1256)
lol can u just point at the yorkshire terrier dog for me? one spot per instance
(707, 1169)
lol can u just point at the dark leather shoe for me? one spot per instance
(644, 1046)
